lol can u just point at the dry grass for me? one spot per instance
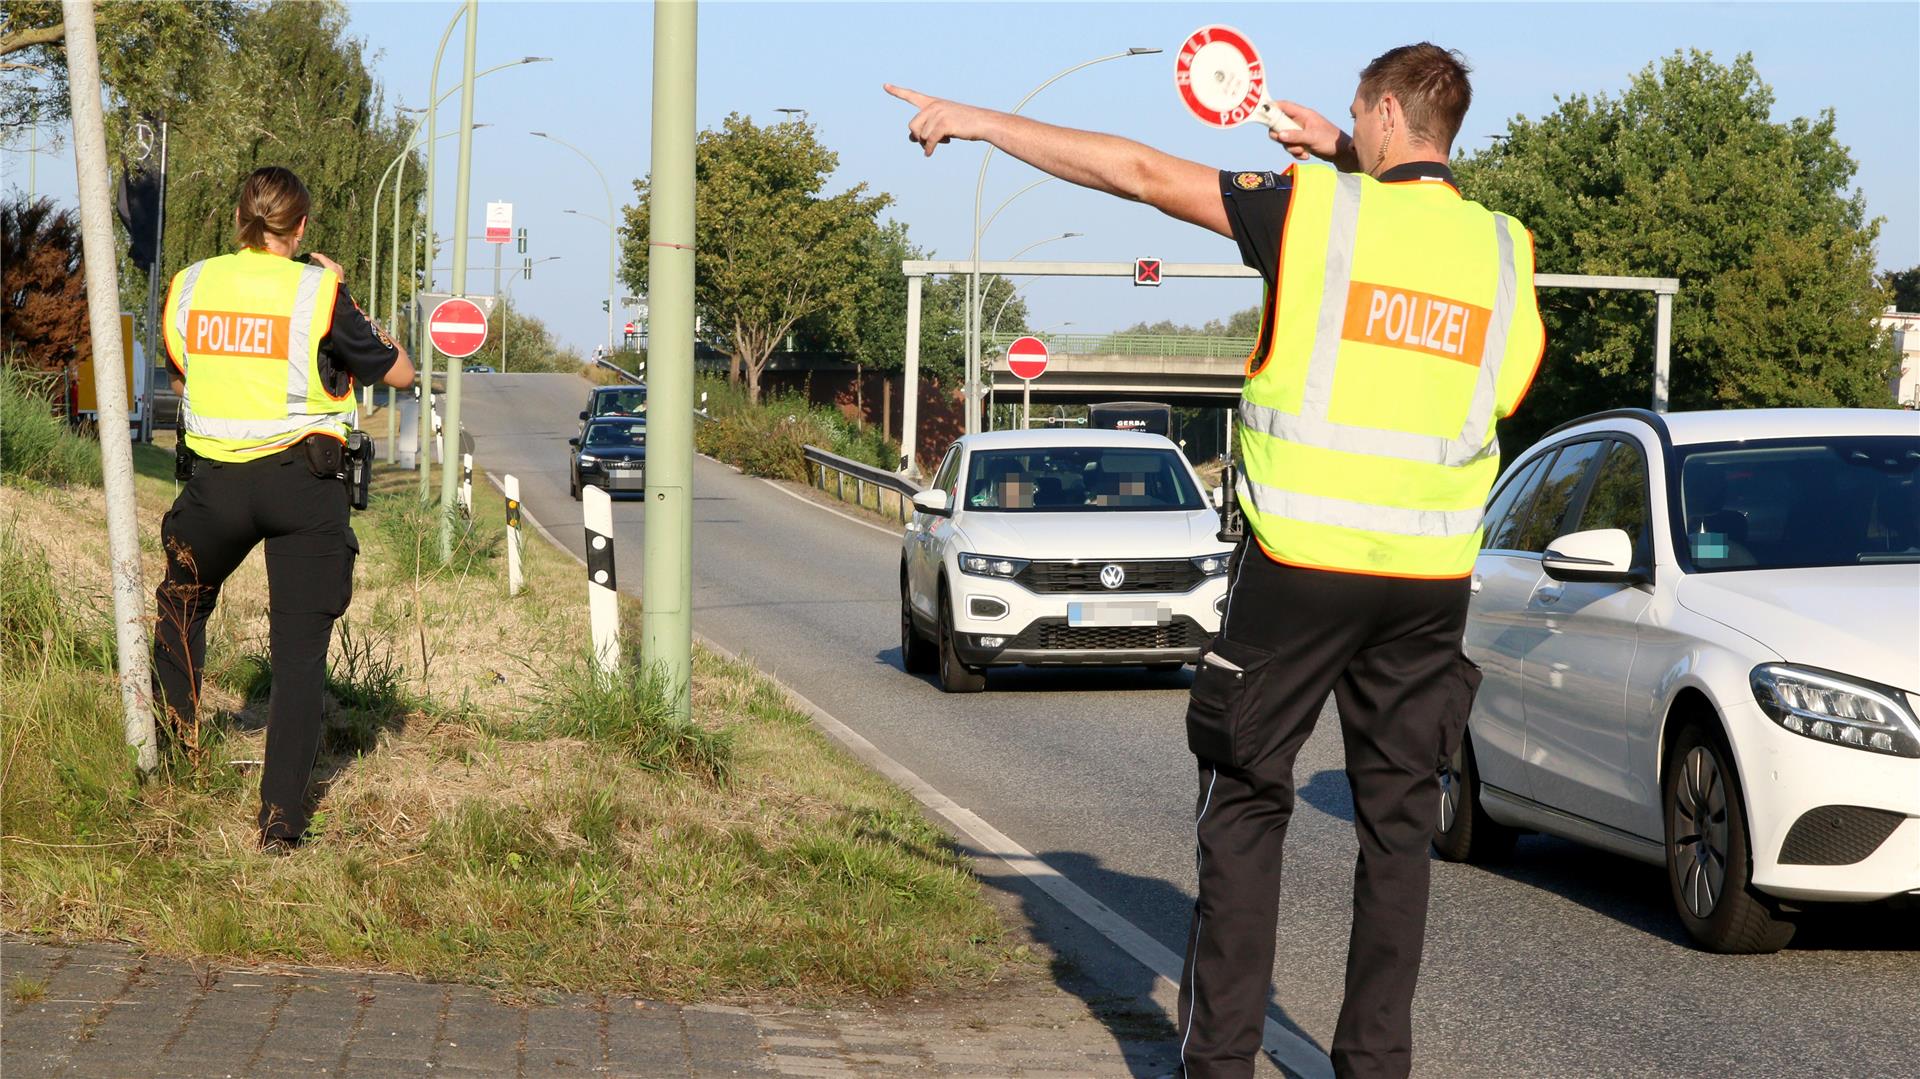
(466, 832)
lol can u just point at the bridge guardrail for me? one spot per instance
(1132, 344)
(821, 464)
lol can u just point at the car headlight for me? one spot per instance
(589, 459)
(1212, 565)
(989, 565)
(1830, 708)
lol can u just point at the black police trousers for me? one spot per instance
(1388, 649)
(221, 514)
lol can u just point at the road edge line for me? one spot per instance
(895, 533)
(1289, 1050)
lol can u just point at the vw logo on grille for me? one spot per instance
(1112, 575)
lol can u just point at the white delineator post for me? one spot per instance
(466, 484)
(130, 610)
(515, 581)
(603, 609)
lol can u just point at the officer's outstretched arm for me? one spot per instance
(400, 375)
(1178, 188)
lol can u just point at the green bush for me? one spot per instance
(35, 445)
(767, 439)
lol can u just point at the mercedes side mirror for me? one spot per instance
(1602, 555)
(573, 442)
(934, 502)
(583, 415)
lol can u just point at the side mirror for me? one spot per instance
(583, 415)
(1604, 554)
(934, 502)
(1219, 498)
(573, 442)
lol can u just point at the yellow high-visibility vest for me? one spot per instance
(244, 331)
(1402, 324)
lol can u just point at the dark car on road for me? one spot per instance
(629, 400)
(611, 453)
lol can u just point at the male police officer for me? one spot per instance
(1400, 323)
(267, 351)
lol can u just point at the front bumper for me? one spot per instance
(601, 474)
(1868, 851)
(1034, 628)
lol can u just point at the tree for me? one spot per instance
(531, 346)
(1684, 175)
(1903, 288)
(43, 296)
(770, 251)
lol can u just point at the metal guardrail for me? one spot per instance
(821, 463)
(1132, 344)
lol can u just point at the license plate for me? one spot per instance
(1118, 614)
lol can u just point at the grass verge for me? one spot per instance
(37, 447)
(492, 811)
(766, 439)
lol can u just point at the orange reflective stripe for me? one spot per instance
(237, 333)
(1415, 321)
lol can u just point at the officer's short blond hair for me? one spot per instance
(272, 200)
(1431, 84)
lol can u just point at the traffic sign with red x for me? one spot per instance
(1146, 271)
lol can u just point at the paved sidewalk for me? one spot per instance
(99, 1010)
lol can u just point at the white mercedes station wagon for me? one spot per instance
(1700, 640)
(1059, 548)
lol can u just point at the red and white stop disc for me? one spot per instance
(1223, 82)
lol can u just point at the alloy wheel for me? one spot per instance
(1700, 832)
(1450, 782)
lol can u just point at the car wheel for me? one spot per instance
(955, 676)
(1464, 832)
(1709, 869)
(916, 652)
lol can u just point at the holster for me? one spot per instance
(326, 457)
(359, 452)
(183, 455)
(1233, 523)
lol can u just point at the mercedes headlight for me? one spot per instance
(1830, 708)
(988, 565)
(1212, 565)
(589, 459)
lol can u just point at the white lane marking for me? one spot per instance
(847, 516)
(1297, 1055)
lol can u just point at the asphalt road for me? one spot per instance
(1565, 962)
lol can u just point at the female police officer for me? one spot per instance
(266, 350)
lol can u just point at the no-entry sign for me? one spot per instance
(458, 328)
(1027, 358)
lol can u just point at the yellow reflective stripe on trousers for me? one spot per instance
(1312, 427)
(1363, 516)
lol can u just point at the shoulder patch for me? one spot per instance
(1256, 181)
(379, 333)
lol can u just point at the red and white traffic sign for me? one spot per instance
(1027, 358)
(499, 222)
(1222, 81)
(457, 327)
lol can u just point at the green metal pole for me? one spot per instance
(666, 578)
(423, 345)
(450, 465)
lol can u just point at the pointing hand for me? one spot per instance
(940, 121)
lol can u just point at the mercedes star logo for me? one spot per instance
(1112, 575)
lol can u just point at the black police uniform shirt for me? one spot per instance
(1256, 202)
(355, 347)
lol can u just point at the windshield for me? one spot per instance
(1801, 502)
(628, 402)
(1073, 479)
(613, 436)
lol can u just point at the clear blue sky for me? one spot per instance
(830, 59)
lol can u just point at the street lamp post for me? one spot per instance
(973, 277)
(422, 344)
(1010, 293)
(449, 477)
(612, 232)
(611, 242)
(506, 306)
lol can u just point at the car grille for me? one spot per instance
(1161, 575)
(1054, 635)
